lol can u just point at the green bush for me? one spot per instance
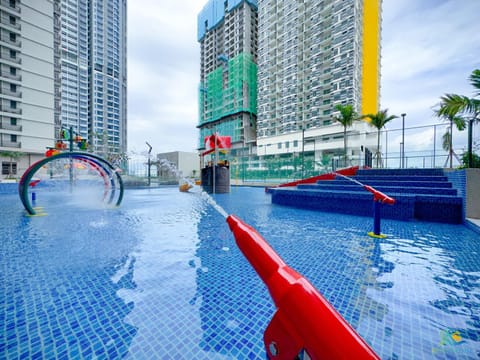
(475, 160)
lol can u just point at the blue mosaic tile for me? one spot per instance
(161, 278)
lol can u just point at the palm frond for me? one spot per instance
(475, 81)
(347, 115)
(446, 139)
(380, 119)
(452, 105)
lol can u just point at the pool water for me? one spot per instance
(160, 277)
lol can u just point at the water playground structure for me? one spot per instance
(99, 172)
(64, 169)
(215, 174)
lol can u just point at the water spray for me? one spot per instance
(378, 199)
(173, 169)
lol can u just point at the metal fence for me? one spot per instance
(414, 147)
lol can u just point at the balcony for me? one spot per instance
(5, 20)
(5, 55)
(6, 5)
(8, 75)
(12, 42)
(6, 126)
(8, 109)
(10, 144)
(8, 92)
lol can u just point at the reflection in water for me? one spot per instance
(58, 297)
(436, 281)
(161, 277)
(235, 306)
(235, 303)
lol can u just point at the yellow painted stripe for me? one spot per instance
(371, 56)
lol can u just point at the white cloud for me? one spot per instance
(163, 75)
(429, 48)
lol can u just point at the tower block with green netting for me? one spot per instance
(228, 99)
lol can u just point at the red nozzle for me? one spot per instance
(33, 183)
(379, 196)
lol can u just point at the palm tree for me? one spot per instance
(452, 105)
(347, 116)
(378, 121)
(447, 139)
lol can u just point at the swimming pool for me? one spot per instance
(160, 277)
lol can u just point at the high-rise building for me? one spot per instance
(63, 66)
(313, 55)
(108, 75)
(26, 78)
(71, 82)
(227, 33)
(93, 72)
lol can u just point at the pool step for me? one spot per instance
(422, 194)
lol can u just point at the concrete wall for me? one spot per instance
(473, 193)
(183, 165)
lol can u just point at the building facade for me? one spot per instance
(313, 55)
(27, 86)
(63, 66)
(93, 72)
(177, 166)
(108, 76)
(227, 33)
(304, 58)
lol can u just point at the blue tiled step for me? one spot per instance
(423, 194)
(385, 189)
(391, 182)
(366, 178)
(439, 208)
(394, 172)
(345, 202)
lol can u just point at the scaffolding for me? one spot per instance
(227, 94)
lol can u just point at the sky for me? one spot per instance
(429, 48)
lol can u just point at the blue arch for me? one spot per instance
(107, 172)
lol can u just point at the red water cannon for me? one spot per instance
(304, 319)
(379, 196)
(33, 183)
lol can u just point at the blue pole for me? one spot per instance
(376, 217)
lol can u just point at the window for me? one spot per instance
(9, 168)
